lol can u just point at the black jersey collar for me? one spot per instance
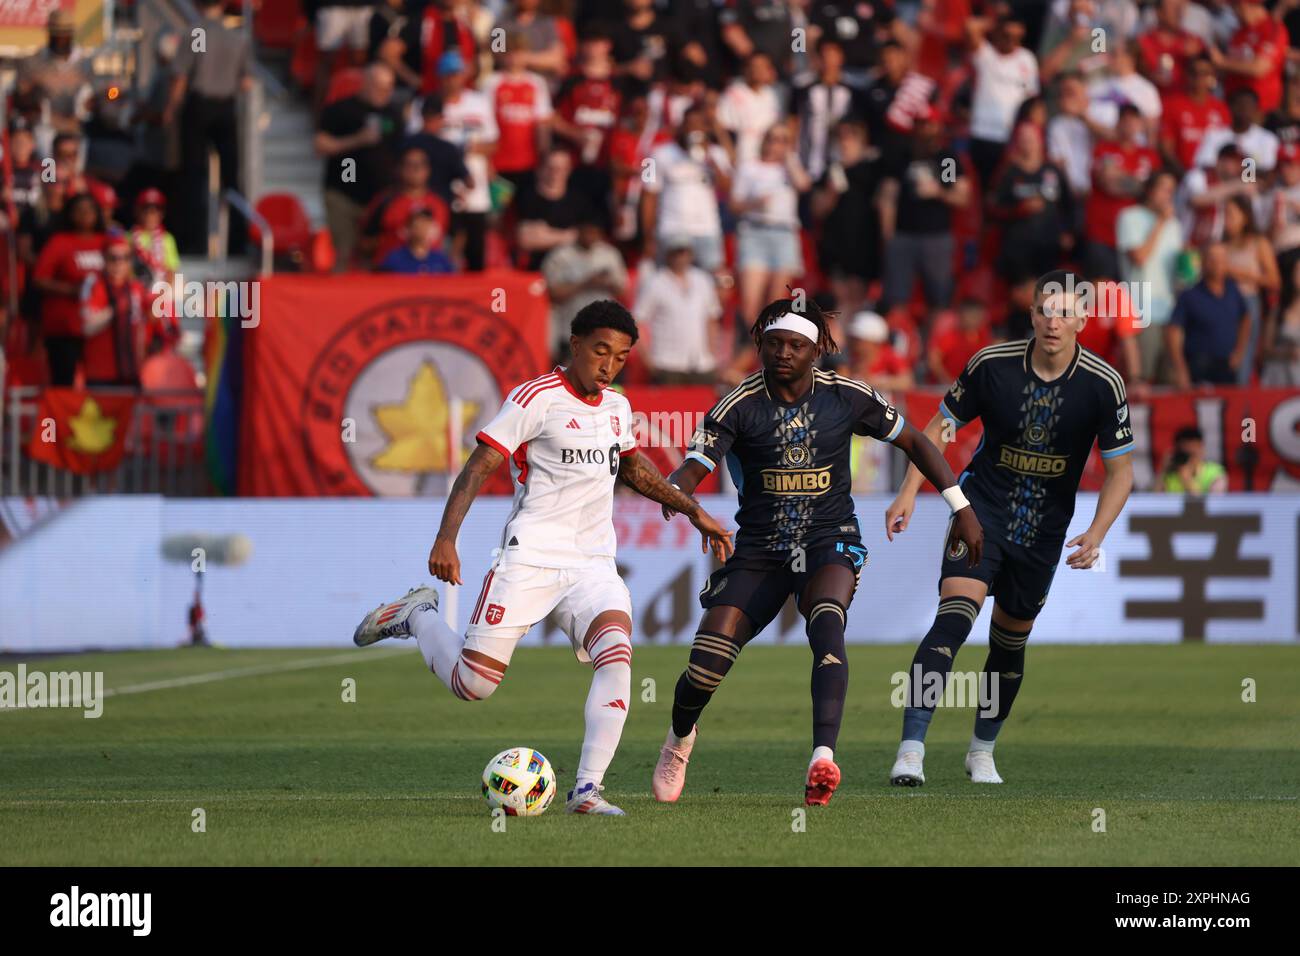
(1029, 367)
(772, 398)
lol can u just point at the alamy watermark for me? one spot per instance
(931, 690)
(1112, 298)
(38, 689)
(200, 300)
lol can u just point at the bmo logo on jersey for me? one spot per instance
(591, 456)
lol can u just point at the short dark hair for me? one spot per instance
(1063, 278)
(604, 314)
(1188, 433)
(1128, 109)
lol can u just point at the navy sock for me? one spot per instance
(712, 655)
(933, 660)
(830, 671)
(1006, 660)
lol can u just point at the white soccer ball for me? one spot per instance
(520, 781)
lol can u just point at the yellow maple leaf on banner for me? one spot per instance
(417, 427)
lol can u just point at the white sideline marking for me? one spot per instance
(237, 672)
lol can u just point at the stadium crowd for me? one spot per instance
(912, 164)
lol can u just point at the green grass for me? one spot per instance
(287, 773)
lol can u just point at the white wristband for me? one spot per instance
(955, 497)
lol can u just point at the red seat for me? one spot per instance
(291, 231)
(276, 23)
(183, 441)
(344, 83)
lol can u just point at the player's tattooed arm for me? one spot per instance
(636, 471)
(444, 562)
(686, 477)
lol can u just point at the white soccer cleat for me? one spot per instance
(670, 772)
(909, 769)
(589, 800)
(980, 767)
(394, 619)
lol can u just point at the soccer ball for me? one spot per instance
(520, 781)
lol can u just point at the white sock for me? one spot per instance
(822, 753)
(607, 702)
(977, 744)
(917, 745)
(439, 644)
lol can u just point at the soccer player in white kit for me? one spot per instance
(567, 438)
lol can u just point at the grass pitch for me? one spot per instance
(288, 773)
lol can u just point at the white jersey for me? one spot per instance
(563, 452)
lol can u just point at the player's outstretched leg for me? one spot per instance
(1003, 672)
(608, 642)
(825, 602)
(723, 632)
(960, 601)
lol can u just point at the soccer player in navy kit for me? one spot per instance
(1043, 402)
(785, 433)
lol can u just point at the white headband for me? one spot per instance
(794, 323)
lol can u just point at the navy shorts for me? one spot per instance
(1018, 577)
(760, 582)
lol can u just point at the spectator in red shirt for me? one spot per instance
(951, 350)
(1187, 117)
(384, 226)
(872, 359)
(521, 102)
(1256, 54)
(1118, 171)
(70, 256)
(115, 320)
(1167, 50)
(586, 115)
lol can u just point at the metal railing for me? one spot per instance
(164, 449)
(220, 235)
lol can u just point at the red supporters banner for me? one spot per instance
(81, 431)
(665, 417)
(366, 385)
(1253, 432)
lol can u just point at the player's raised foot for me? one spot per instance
(587, 799)
(670, 772)
(909, 769)
(394, 619)
(823, 778)
(980, 767)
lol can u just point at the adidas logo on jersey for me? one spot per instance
(573, 423)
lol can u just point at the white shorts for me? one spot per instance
(514, 597)
(339, 26)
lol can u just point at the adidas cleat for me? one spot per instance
(394, 619)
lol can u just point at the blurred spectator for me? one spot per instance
(872, 359)
(1069, 142)
(1283, 207)
(521, 102)
(850, 244)
(1204, 195)
(679, 307)
(446, 28)
(587, 112)
(1032, 201)
(1208, 332)
(1252, 265)
(681, 187)
(469, 122)
(642, 41)
(950, 351)
(153, 245)
(203, 96)
(115, 320)
(395, 39)
(1006, 74)
(421, 252)
(53, 85)
(1281, 341)
(630, 145)
(73, 253)
(1119, 170)
(1255, 142)
(356, 136)
(1017, 324)
(1256, 55)
(1167, 51)
(1150, 240)
(446, 162)
(1284, 122)
(896, 103)
(917, 219)
(538, 35)
(1187, 117)
(578, 273)
(1069, 40)
(25, 183)
(765, 198)
(158, 143)
(1188, 472)
(1120, 85)
(383, 229)
(762, 26)
(749, 106)
(549, 209)
(819, 105)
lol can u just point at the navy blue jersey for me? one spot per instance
(790, 461)
(1038, 435)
